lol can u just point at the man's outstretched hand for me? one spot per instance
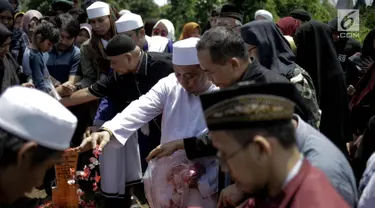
(164, 150)
(95, 139)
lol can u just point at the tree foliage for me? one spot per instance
(181, 12)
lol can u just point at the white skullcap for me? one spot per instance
(36, 116)
(128, 22)
(185, 52)
(98, 9)
(264, 13)
(124, 11)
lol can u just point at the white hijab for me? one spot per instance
(169, 25)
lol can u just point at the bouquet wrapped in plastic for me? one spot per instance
(167, 180)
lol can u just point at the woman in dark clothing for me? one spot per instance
(317, 55)
(362, 104)
(266, 43)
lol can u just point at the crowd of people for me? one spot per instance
(229, 114)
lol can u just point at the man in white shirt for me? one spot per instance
(177, 98)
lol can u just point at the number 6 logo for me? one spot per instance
(348, 20)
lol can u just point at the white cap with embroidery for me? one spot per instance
(36, 116)
(128, 22)
(98, 9)
(185, 52)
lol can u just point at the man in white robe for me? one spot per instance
(177, 98)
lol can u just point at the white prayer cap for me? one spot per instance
(36, 116)
(98, 9)
(185, 52)
(128, 22)
(263, 13)
(124, 11)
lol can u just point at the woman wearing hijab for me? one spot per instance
(164, 28)
(191, 29)
(288, 25)
(17, 45)
(30, 20)
(344, 45)
(317, 55)
(84, 34)
(362, 104)
(18, 18)
(267, 44)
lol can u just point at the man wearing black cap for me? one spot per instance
(256, 143)
(230, 17)
(301, 15)
(135, 73)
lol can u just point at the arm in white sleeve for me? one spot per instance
(138, 113)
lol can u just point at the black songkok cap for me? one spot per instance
(301, 14)
(230, 10)
(248, 105)
(120, 44)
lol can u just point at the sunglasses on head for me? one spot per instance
(157, 32)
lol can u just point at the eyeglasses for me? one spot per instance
(158, 32)
(223, 159)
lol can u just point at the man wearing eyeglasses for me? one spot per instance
(251, 126)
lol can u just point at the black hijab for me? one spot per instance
(317, 55)
(274, 51)
(316, 52)
(368, 45)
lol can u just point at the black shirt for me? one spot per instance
(121, 90)
(197, 148)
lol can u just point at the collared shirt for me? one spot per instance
(296, 168)
(182, 112)
(324, 155)
(121, 90)
(63, 64)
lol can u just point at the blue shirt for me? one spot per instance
(26, 61)
(38, 72)
(63, 64)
